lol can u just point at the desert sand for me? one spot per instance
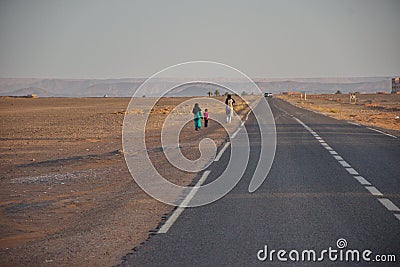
(66, 195)
(377, 110)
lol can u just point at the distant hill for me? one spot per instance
(125, 87)
(318, 87)
(73, 87)
(28, 91)
(196, 89)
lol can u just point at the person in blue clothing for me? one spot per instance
(197, 116)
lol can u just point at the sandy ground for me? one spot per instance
(66, 195)
(378, 110)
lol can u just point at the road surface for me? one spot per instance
(330, 180)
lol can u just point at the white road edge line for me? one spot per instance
(218, 157)
(175, 215)
(388, 204)
(378, 131)
(354, 123)
(235, 133)
(397, 216)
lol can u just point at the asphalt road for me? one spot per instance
(329, 180)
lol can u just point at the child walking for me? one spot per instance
(205, 117)
(197, 116)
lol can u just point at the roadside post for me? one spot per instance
(353, 98)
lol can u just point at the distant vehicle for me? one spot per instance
(267, 94)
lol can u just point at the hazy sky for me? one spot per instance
(114, 39)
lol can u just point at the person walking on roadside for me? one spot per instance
(197, 116)
(229, 102)
(205, 118)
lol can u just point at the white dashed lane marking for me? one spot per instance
(344, 164)
(373, 190)
(388, 204)
(367, 185)
(338, 157)
(362, 180)
(352, 171)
